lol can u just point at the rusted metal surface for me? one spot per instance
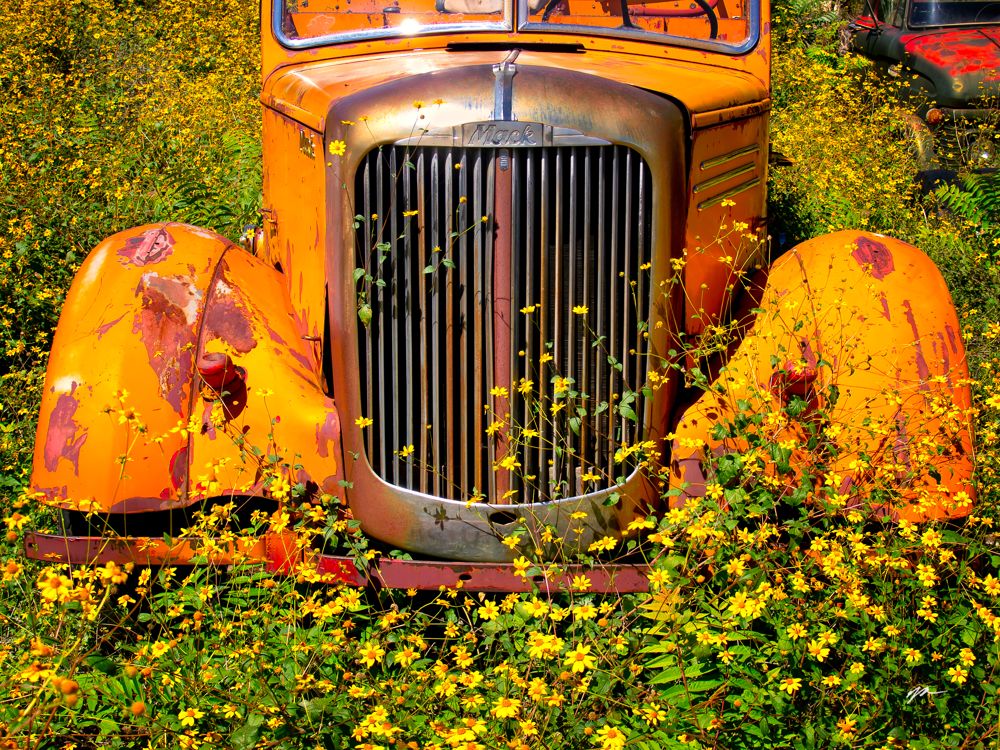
(728, 177)
(126, 415)
(955, 67)
(129, 326)
(870, 340)
(722, 90)
(87, 550)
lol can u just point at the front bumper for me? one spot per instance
(280, 555)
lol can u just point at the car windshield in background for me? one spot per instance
(729, 25)
(954, 13)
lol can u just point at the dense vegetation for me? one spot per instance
(780, 620)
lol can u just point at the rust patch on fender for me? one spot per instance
(901, 445)
(53, 494)
(165, 322)
(61, 438)
(302, 359)
(945, 357)
(952, 337)
(226, 316)
(872, 254)
(103, 329)
(922, 369)
(152, 246)
(327, 434)
(885, 307)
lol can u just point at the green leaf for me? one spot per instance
(627, 412)
(245, 738)
(102, 664)
(667, 675)
(703, 686)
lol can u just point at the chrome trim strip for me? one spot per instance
(503, 89)
(729, 193)
(715, 161)
(725, 176)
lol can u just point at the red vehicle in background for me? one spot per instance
(946, 56)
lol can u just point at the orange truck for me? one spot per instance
(487, 224)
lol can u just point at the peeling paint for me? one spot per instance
(302, 359)
(328, 434)
(152, 246)
(874, 255)
(165, 322)
(207, 425)
(959, 52)
(61, 438)
(53, 494)
(952, 338)
(922, 369)
(885, 307)
(103, 329)
(901, 444)
(226, 317)
(946, 359)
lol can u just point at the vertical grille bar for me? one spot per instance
(575, 330)
(546, 437)
(427, 214)
(365, 355)
(406, 295)
(380, 302)
(580, 228)
(484, 346)
(601, 379)
(434, 411)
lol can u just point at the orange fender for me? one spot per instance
(125, 425)
(861, 327)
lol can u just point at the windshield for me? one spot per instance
(954, 13)
(726, 24)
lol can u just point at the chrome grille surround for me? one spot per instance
(566, 228)
(618, 113)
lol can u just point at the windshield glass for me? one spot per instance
(304, 20)
(712, 23)
(726, 22)
(954, 13)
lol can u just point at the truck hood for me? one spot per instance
(708, 93)
(963, 64)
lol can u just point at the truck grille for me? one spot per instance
(497, 231)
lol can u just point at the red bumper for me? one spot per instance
(281, 557)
